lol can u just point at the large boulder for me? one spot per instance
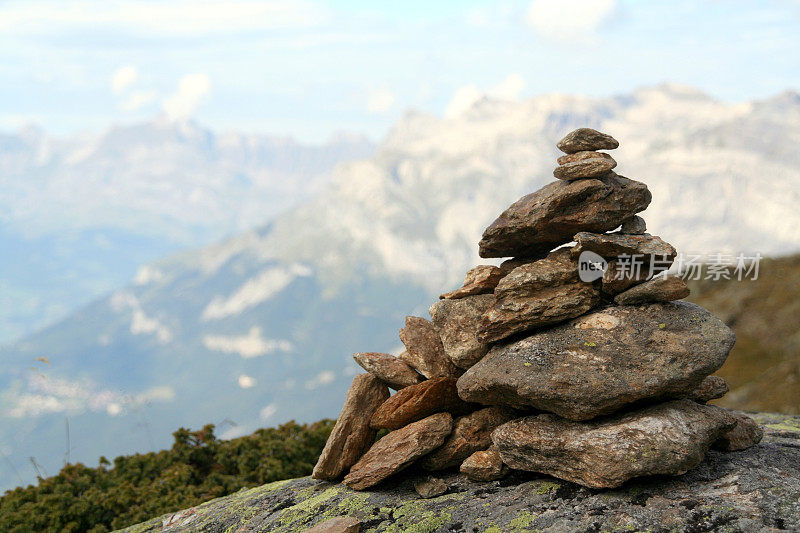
(669, 438)
(419, 401)
(602, 361)
(551, 216)
(457, 322)
(538, 294)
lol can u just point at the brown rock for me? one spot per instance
(424, 349)
(419, 401)
(389, 369)
(584, 139)
(659, 289)
(510, 264)
(398, 449)
(582, 156)
(745, 434)
(634, 226)
(480, 280)
(611, 245)
(586, 167)
(430, 487)
(340, 524)
(471, 433)
(537, 294)
(351, 436)
(617, 278)
(484, 465)
(711, 388)
(669, 438)
(551, 216)
(457, 322)
(600, 362)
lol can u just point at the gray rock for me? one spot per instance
(351, 436)
(538, 294)
(634, 226)
(424, 349)
(659, 289)
(340, 524)
(398, 449)
(711, 388)
(584, 139)
(749, 491)
(745, 434)
(486, 465)
(585, 167)
(430, 487)
(670, 438)
(602, 361)
(418, 401)
(613, 245)
(479, 280)
(393, 371)
(551, 216)
(457, 322)
(619, 278)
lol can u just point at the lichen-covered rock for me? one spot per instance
(352, 435)
(418, 401)
(612, 245)
(430, 487)
(634, 226)
(485, 465)
(457, 322)
(585, 167)
(584, 139)
(424, 349)
(471, 433)
(745, 434)
(393, 371)
(538, 294)
(340, 524)
(750, 491)
(551, 216)
(600, 362)
(398, 449)
(711, 388)
(658, 289)
(479, 280)
(669, 438)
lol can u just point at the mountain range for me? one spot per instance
(260, 328)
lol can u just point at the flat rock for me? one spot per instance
(711, 388)
(619, 278)
(670, 438)
(745, 434)
(613, 245)
(753, 490)
(430, 487)
(582, 156)
(457, 322)
(486, 465)
(424, 349)
(584, 139)
(659, 289)
(634, 226)
(551, 216)
(418, 401)
(398, 449)
(586, 167)
(538, 294)
(352, 435)
(393, 371)
(479, 280)
(340, 524)
(600, 362)
(471, 433)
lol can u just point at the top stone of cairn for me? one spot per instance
(584, 139)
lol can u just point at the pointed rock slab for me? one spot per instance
(340, 524)
(669, 438)
(471, 433)
(658, 289)
(419, 401)
(351, 436)
(583, 165)
(389, 369)
(424, 349)
(480, 280)
(538, 294)
(584, 139)
(551, 216)
(711, 388)
(484, 465)
(398, 449)
(634, 226)
(612, 245)
(457, 322)
(600, 362)
(746, 434)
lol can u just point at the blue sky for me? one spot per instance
(309, 69)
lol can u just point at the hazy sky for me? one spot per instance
(310, 68)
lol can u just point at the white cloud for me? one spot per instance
(123, 78)
(141, 323)
(465, 97)
(569, 20)
(268, 411)
(323, 378)
(137, 100)
(246, 381)
(380, 101)
(192, 91)
(247, 346)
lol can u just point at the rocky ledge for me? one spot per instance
(751, 490)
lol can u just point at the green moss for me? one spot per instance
(784, 427)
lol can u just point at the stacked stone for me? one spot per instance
(531, 366)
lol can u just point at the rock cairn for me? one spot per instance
(541, 365)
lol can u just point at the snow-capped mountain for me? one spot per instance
(260, 328)
(81, 212)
